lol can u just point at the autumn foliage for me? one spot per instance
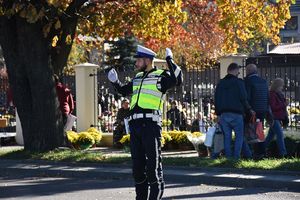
(196, 30)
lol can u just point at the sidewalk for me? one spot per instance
(213, 176)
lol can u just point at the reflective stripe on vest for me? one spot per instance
(145, 92)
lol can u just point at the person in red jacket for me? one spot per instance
(278, 105)
(65, 99)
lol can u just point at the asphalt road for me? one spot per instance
(24, 186)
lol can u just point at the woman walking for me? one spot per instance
(278, 105)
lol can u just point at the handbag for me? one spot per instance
(253, 131)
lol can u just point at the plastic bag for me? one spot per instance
(209, 136)
(254, 132)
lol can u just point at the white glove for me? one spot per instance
(169, 53)
(112, 75)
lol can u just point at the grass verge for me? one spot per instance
(65, 156)
(287, 164)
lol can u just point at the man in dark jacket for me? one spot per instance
(258, 98)
(231, 105)
(176, 117)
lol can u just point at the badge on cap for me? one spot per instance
(143, 52)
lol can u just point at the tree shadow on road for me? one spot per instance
(43, 186)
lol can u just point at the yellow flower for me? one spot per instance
(197, 134)
(85, 138)
(97, 135)
(179, 137)
(125, 139)
(166, 136)
(72, 136)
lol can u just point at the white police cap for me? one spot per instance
(143, 52)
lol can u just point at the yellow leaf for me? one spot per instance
(54, 41)
(69, 39)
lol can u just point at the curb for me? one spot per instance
(223, 177)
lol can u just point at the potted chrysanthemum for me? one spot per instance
(85, 140)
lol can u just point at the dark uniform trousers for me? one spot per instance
(145, 144)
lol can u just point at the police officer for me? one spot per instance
(147, 91)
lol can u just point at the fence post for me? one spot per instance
(86, 95)
(226, 60)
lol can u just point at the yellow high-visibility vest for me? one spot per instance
(145, 92)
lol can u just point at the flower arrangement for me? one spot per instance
(294, 110)
(84, 140)
(95, 134)
(72, 136)
(197, 139)
(179, 137)
(125, 140)
(196, 134)
(166, 136)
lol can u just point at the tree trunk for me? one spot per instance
(27, 57)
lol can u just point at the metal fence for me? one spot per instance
(193, 96)
(196, 93)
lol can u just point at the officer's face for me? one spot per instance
(141, 64)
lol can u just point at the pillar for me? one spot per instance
(226, 60)
(86, 96)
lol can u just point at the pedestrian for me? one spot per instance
(120, 130)
(231, 105)
(65, 98)
(174, 115)
(278, 106)
(258, 98)
(199, 124)
(147, 89)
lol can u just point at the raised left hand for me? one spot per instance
(169, 53)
